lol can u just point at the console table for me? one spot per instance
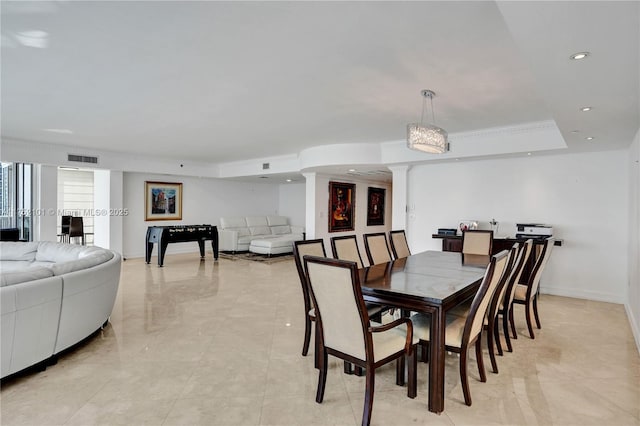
(163, 235)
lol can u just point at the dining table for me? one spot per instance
(430, 282)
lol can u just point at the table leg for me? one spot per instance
(162, 249)
(201, 245)
(214, 244)
(436, 363)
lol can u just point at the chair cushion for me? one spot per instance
(521, 292)
(389, 342)
(453, 331)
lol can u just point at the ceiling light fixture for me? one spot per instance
(427, 138)
(585, 109)
(579, 55)
(589, 138)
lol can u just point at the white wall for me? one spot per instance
(291, 202)
(322, 203)
(583, 196)
(205, 200)
(633, 303)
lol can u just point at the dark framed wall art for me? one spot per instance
(342, 206)
(163, 201)
(375, 206)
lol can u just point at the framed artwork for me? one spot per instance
(342, 206)
(375, 206)
(163, 201)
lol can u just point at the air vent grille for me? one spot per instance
(265, 166)
(82, 159)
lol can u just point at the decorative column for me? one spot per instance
(399, 202)
(310, 205)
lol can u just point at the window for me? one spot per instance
(75, 198)
(16, 201)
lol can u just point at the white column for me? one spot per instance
(107, 199)
(45, 203)
(310, 205)
(399, 202)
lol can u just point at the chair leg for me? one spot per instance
(307, 336)
(483, 375)
(529, 308)
(400, 363)
(322, 376)
(513, 323)
(368, 396)
(535, 311)
(318, 348)
(412, 386)
(492, 354)
(464, 379)
(505, 330)
(496, 334)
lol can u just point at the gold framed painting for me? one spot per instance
(163, 201)
(342, 205)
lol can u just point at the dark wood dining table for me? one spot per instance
(431, 282)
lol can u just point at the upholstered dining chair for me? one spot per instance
(377, 249)
(477, 242)
(345, 247)
(527, 294)
(506, 309)
(463, 331)
(300, 249)
(347, 333)
(76, 229)
(399, 245)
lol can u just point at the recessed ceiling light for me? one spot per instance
(585, 109)
(61, 131)
(528, 153)
(579, 55)
(352, 170)
(288, 180)
(575, 131)
(589, 138)
(33, 38)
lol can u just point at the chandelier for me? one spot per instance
(427, 137)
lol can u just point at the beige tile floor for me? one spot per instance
(204, 343)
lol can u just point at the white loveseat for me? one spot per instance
(258, 234)
(52, 296)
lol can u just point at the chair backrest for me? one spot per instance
(480, 304)
(377, 249)
(346, 248)
(340, 309)
(301, 249)
(541, 262)
(525, 252)
(65, 222)
(477, 242)
(399, 245)
(76, 227)
(501, 289)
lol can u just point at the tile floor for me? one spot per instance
(204, 343)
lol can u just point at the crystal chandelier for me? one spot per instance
(427, 137)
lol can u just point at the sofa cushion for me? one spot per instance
(49, 251)
(260, 230)
(28, 274)
(257, 221)
(280, 229)
(277, 220)
(242, 232)
(83, 263)
(233, 222)
(15, 265)
(18, 250)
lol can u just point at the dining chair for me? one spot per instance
(506, 310)
(65, 222)
(345, 247)
(377, 249)
(399, 245)
(76, 229)
(347, 332)
(477, 242)
(300, 249)
(527, 294)
(463, 331)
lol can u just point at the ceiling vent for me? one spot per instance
(82, 159)
(265, 166)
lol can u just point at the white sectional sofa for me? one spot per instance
(258, 234)
(52, 296)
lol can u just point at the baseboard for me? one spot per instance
(633, 321)
(578, 293)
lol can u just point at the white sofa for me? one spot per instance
(52, 296)
(258, 234)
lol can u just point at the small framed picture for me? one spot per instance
(342, 206)
(163, 201)
(375, 206)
